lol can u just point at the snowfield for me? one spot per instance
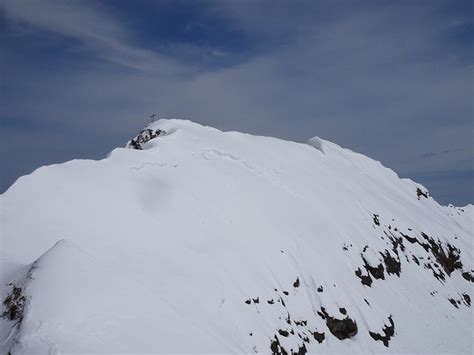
(193, 240)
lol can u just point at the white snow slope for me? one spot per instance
(223, 242)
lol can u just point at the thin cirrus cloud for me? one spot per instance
(95, 29)
(390, 80)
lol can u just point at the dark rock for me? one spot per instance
(319, 337)
(376, 219)
(447, 256)
(438, 274)
(143, 137)
(410, 239)
(467, 299)
(388, 330)
(365, 279)
(14, 305)
(276, 347)
(453, 302)
(397, 242)
(296, 283)
(468, 276)
(420, 193)
(340, 328)
(376, 272)
(449, 259)
(392, 265)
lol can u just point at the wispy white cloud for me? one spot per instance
(104, 34)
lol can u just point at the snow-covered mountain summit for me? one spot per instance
(191, 240)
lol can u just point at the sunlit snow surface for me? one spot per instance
(213, 242)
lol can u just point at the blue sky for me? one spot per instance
(389, 79)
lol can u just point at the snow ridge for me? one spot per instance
(223, 242)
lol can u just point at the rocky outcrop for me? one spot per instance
(143, 137)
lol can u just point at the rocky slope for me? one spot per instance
(205, 241)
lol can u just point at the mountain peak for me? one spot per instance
(228, 242)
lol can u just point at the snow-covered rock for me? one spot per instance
(222, 242)
(143, 137)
